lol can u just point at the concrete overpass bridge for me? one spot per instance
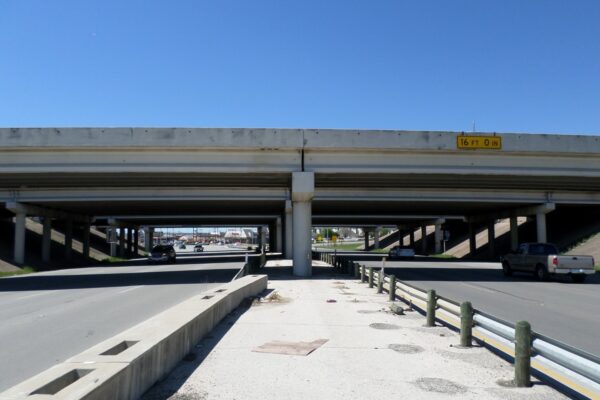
(289, 179)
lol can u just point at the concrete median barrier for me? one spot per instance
(126, 365)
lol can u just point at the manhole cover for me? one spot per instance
(406, 348)
(367, 311)
(378, 325)
(438, 385)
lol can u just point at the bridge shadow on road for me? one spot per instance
(106, 280)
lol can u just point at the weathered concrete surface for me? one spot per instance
(370, 353)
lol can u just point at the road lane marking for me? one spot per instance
(129, 289)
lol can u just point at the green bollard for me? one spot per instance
(370, 277)
(431, 303)
(522, 354)
(363, 277)
(392, 291)
(380, 278)
(466, 324)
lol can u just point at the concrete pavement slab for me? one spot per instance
(371, 353)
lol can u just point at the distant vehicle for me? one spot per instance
(181, 246)
(401, 252)
(543, 260)
(162, 253)
(198, 248)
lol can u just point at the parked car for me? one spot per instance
(198, 248)
(162, 253)
(401, 252)
(543, 260)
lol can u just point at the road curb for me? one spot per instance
(128, 364)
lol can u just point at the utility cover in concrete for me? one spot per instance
(290, 348)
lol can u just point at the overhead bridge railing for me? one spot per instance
(570, 369)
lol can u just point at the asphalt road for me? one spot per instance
(49, 317)
(559, 309)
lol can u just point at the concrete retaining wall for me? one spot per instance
(128, 364)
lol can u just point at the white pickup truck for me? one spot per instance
(543, 259)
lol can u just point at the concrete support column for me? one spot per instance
(472, 239)
(129, 242)
(424, 239)
(492, 238)
(46, 239)
(303, 187)
(262, 237)
(411, 237)
(121, 242)
(69, 239)
(136, 241)
(438, 237)
(278, 236)
(514, 233)
(400, 235)
(112, 239)
(19, 249)
(366, 238)
(540, 221)
(148, 239)
(289, 241)
(376, 237)
(86, 240)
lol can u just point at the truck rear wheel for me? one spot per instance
(578, 278)
(541, 272)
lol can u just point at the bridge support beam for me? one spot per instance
(136, 241)
(289, 241)
(86, 240)
(278, 236)
(19, 249)
(540, 222)
(424, 239)
(121, 242)
(303, 187)
(514, 233)
(366, 232)
(411, 237)
(472, 239)
(148, 239)
(492, 238)
(68, 239)
(376, 237)
(438, 236)
(46, 239)
(129, 242)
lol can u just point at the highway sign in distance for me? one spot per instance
(478, 142)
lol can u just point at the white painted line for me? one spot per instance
(32, 295)
(129, 289)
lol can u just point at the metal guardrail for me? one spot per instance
(573, 369)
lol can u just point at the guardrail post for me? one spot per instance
(392, 291)
(356, 269)
(362, 274)
(380, 279)
(466, 324)
(522, 354)
(431, 303)
(370, 277)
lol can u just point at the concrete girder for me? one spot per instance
(30, 209)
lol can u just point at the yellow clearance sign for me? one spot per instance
(479, 142)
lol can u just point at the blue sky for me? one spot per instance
(510, 65)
